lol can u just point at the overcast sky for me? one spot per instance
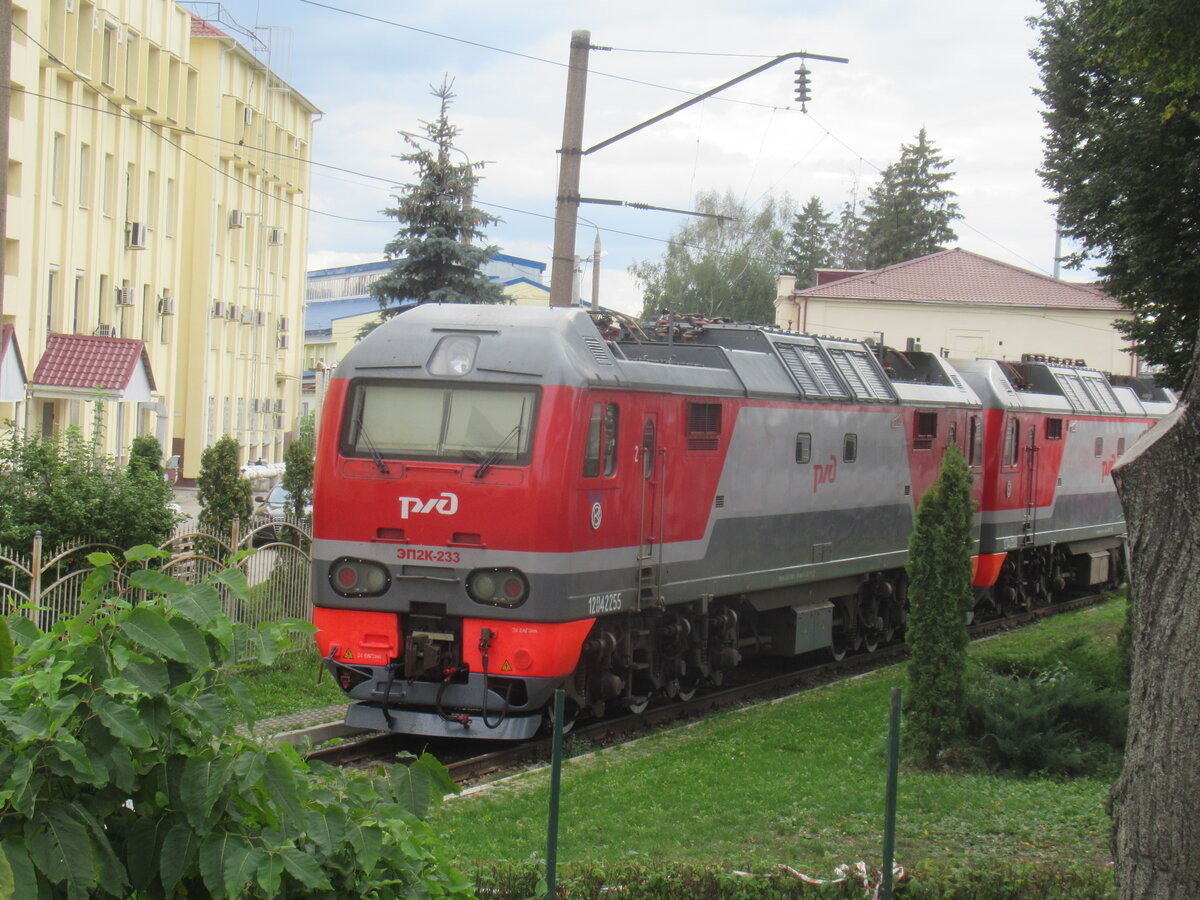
(960, 69)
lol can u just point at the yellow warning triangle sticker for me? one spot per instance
(347, 655)
(507, 667)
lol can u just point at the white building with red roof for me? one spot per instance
(963, 305)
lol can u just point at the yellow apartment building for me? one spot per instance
(156, 226)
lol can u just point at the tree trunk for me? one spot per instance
(1155, 804)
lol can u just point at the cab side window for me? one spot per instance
(600, 448)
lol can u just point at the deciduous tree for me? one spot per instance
(722, 265)
(1123, 156)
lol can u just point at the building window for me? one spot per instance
(108, 184)
(703, 426)
(85, 176)
(58, 173)
(51, 287)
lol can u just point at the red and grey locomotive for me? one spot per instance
(509, 500)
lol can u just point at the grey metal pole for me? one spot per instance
(889, 815)
(555, 780)
(596, 272)
(566, 213)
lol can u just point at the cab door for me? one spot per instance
(652, 462)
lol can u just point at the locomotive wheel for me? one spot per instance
(570, 716)
(637, 705)
(871, 641)
(687, 688)
(837, 649)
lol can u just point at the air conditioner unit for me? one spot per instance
(260, 318)
(105, 331)
(166, 306)
(247, 316)
(282, 342)
(283, 323)
(233, 312)
(126, 296)
(218, 309)
(135, 236)
(275, 236)
(237, 218)
(248, 115)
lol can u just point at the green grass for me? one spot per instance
(289, 685)
(799, 781)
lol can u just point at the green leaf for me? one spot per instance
(143, 850)
(227, 864)
(157, 582)
(200, 604)
(20, 867)
(203, 781)
(192, 640)
(150, 629)
(270, 874)
(113, 877)
(99, 560)
(59, 846)
(143, 552)
(235, 580)
(79, 761)
(178, 854)
(280, 778)
(305, 869)
(149, 675)
(122, 721)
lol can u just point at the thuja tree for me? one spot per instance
(222, 490)
(123, 773)
(298, 467)
(939, 595)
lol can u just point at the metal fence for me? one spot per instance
(45, 583)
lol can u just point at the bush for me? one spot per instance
(123, 773)
(1054, 722)
(64, 489)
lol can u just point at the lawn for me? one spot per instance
(797, 781)
(289, 685)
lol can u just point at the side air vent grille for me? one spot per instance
(598, 350)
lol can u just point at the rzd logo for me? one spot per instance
(446, 504)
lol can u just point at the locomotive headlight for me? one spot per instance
(358, 577)
(497, 587)
(454, 356)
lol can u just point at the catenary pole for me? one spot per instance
(562, 263)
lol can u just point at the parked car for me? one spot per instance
(277, 509)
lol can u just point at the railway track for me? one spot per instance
(470, 762)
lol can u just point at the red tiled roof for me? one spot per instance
(204, 28)
(963, 277)
(85, 361)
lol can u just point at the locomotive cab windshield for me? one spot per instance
(457, 423)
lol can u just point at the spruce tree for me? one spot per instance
(939, 595)
(908, 213)
(811, 242)
(436, 257)
(846, 245)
